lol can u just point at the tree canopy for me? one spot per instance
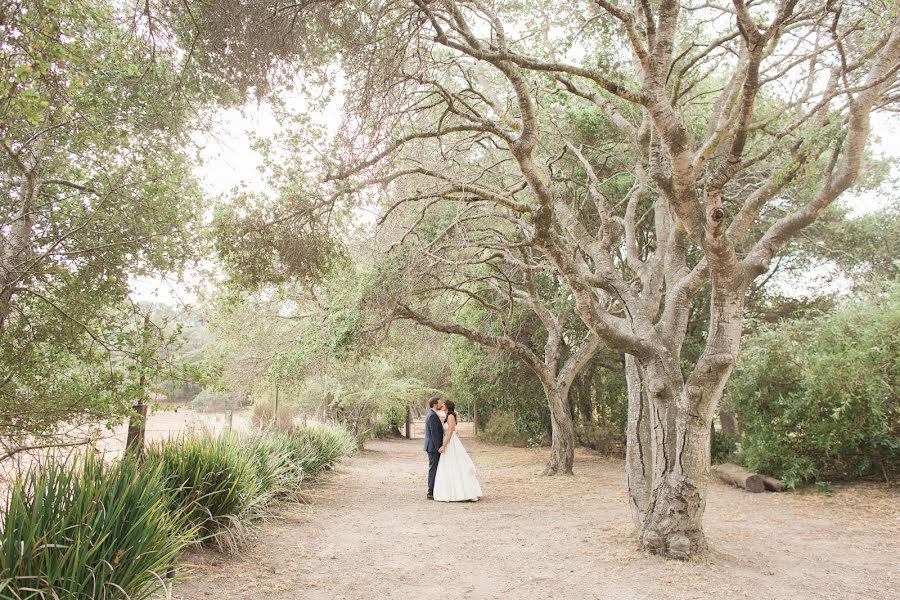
(98, 188)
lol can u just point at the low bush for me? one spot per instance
(81, 530)
(501, 429)
(384, 429)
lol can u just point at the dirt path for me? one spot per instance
(370, 533)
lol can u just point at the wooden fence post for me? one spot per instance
(137, 424)
(408, 423)
(275, 410)
(137, 430)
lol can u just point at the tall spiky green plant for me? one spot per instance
(215, 480)
(319, 447)
(78, 529)
(279, 475)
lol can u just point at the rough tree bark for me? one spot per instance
(584, 400)
(15, 248)
(729, 422)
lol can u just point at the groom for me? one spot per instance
(434, 439)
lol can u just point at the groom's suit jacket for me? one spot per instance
(434, 432)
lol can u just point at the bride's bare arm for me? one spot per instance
(451, 427)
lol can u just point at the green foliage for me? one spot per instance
(391, 418)
(502, 429)
(98, 188)
(817, 398)
(500, 384)
(215, 480)
(225, 482)
(278, 472)
(384, 429)
(78, 529)
(373, 389)
(262, 241)
(865, 248)
(608, 440)
(284, 460)
(601, 387)
(824, 487)
(66, 375)
(329, 359)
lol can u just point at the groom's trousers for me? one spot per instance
(433, 459)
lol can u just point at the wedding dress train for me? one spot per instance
(456, 480)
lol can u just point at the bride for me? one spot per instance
(455, 480)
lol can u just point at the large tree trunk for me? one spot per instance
(562, 445)
(638, 451)
(670, 505)
(680, 421)
(673, 521)
(729, 422)
(666, 462)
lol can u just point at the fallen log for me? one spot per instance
(772, 484)
(737, 476)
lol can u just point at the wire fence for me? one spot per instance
(464, 429)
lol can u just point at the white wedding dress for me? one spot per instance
(455, 480)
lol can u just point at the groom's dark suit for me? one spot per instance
(434, 439)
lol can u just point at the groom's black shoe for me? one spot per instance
(430, 497)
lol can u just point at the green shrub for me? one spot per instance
(383, 429)
(215, 480)
(77, 529)
(389, 421)
(605, 439)
(501, 429)
(817, 398)
(499, 384)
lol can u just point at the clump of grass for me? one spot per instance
(215, 480)
(79, 529)
(319, 448)
(279, 474)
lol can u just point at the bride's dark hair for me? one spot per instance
(450, 405)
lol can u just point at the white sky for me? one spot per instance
(228, 160)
